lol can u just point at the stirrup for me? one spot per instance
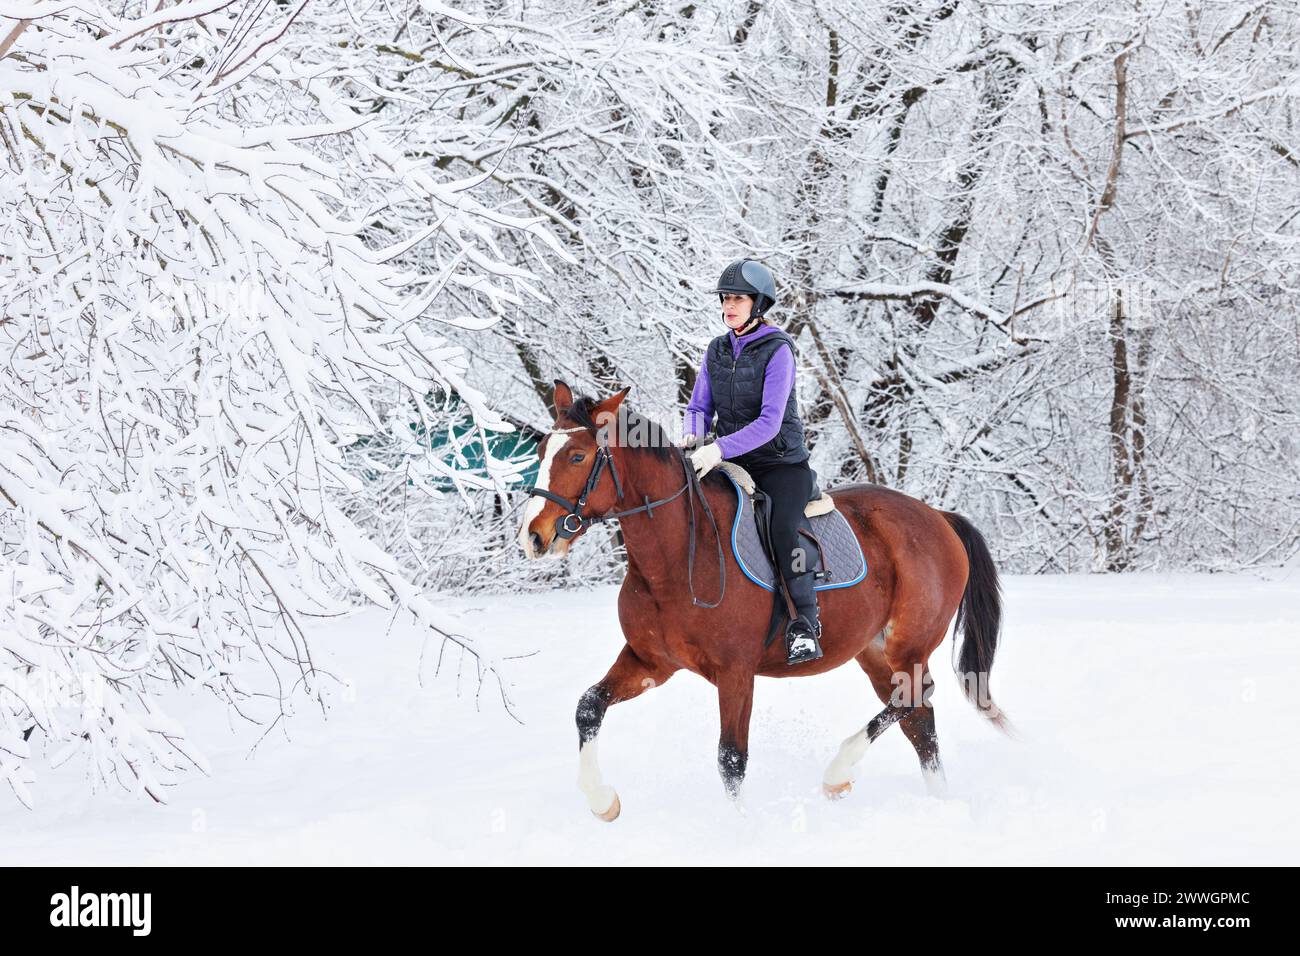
(802, 641)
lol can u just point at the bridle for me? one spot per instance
(575, 521)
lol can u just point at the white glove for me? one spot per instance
(706, 458)
(689, 442)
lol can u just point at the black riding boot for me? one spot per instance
(802, 634)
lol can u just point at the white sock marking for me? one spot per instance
(851, 751)
(600, 797)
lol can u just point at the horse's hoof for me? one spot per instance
(837, 791)
(936, 786)
(610, 814)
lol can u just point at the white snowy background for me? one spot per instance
(284, 286)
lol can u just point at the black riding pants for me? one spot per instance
(789, 487)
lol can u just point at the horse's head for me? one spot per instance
(569, 455)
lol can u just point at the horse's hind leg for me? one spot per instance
(915, 716)
(918, 725)
(838, 779)
(629, 677)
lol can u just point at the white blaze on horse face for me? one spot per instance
(536, 502)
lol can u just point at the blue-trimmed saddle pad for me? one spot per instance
(844, 559)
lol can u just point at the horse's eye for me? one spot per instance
(577, 458)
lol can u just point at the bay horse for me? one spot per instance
(924, 567)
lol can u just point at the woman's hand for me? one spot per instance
(705, 459)
(689, 442)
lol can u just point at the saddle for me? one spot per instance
(835, 555)
(819, 503)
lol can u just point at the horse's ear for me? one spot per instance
(563, 398)
(606, 410)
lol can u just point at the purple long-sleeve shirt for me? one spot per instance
(777, 382)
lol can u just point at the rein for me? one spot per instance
(579, 521)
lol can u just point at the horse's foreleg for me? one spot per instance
(735, 702)
(629, 677)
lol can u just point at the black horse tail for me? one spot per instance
(979, 618)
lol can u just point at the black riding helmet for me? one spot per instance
(747, 277)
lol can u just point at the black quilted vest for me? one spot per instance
(737, 386)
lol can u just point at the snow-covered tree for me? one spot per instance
(218, 267)
(269, 270)
(1036, 256)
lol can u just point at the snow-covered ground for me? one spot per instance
(1159, 716)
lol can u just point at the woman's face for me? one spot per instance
(736, 308)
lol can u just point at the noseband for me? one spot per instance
(575, 521)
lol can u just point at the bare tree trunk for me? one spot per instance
(1117, 554)
(1127, 418)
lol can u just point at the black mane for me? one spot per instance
(631, 422)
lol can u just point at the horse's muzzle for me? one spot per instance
(535, 546)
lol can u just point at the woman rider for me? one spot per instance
(747, 378)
